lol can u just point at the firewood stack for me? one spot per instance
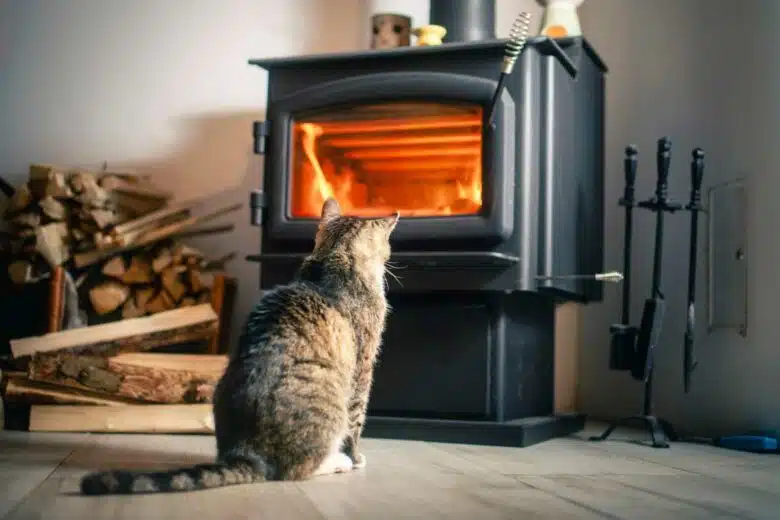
(122, 242)
(117, 234)
(160, 277)
(58, 214)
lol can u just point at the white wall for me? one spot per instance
(163, 86)
(704, 73)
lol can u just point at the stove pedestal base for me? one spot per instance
(519, 433)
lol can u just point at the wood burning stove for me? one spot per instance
(485, 210)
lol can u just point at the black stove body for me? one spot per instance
(468, 350)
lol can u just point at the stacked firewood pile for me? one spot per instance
(106, 377)
(139, 286)
(117, 234)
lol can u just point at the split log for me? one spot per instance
(50, 242)
(153, 218)
(171, 282)
(133, 206)
(25, 391)
(53, 208)
(142, 297)
(169, 230)
(198, 280)
(131, 310)
(163, 259)
(46, 180)
(160, 302)
(183, 253)
(139, 272)
(153, 378)
(87, 190)
(103, 218)
(115, 268)
(139, 334)
(161, 418)
(108, 296)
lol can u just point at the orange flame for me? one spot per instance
(425, 166)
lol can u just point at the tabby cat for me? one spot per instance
(292, 401)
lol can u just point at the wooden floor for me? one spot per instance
(563, 478)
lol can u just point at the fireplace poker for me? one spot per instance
(694, 206)
(517, 38)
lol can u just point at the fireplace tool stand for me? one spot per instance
(633, 349)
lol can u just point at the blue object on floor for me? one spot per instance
(753, 443)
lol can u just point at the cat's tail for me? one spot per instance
(193, 478)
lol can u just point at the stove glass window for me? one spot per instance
(420, 158)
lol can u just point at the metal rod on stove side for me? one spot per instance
(612, 276)
(517, 38)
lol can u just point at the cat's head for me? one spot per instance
(364, 242)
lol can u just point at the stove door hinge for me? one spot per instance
(260, 132)
(257, 206)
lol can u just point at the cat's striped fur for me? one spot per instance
(293, 398)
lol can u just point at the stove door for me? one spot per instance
(413, 142)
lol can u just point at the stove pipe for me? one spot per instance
(465, 20)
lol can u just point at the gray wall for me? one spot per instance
(705, 73)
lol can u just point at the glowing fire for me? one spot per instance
(422, 166)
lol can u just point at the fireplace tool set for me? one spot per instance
(633, 348)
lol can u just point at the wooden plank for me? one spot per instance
(163, 322)
(56, 299)
(221, 292)
(568, 318)
(152, 418)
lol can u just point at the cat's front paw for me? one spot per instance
(358, 461)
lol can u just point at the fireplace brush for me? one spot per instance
(517, 38)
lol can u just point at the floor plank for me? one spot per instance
(26, 460)
(560, 479)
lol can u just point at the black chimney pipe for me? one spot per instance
(465, 20)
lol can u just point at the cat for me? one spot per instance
(292, 402)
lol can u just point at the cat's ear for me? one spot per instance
(330, 209)
(391, 221)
